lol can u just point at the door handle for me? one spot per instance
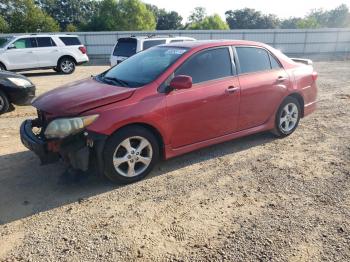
(281, 78)
(231, 89)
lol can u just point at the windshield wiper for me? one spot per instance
(117, 81)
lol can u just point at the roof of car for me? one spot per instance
(45, 35)
(212, 43)
(159, 37)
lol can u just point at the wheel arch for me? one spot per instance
(153, 130)
(67, 56)
(300, 99)
(1, 63)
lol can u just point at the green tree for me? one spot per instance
(122, 15)
(213, 22)
(168, 20)
(71, 28)
(335, 18)
(309, 22)
(290, 23)
(65, 12)
(197, 15)
(4, 27)
(248, 18)
(25, 16)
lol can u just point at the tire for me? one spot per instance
(124, 160)
(287, 117)
(2, 67)
(4, 103)
(66, 65)
(56, 69)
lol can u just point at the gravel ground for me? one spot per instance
(252, 199)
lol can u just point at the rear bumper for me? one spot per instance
(310, 108)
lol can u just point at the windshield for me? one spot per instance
(125, 47)
(142, 68)
(4, 41)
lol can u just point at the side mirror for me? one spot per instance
(181, 82)
(12, 46)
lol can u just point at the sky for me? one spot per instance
(282, 8)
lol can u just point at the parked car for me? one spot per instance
(14, 89)
(27, 52)
(170, 100)
(128, 46)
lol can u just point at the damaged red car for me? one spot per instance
(167, 101)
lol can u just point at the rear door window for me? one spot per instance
(274, 63)
(69, 41)
(149, 43)
(207, 65)
(45, 42)
(253, 59)
(125, 47)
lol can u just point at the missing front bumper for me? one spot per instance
(73, 150)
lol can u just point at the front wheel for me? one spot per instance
(130, 155)
(287, 117)
(4, 103)
(66, 65)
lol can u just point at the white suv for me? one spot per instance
(26, 52)
(128, 46)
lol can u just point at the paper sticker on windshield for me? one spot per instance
(175, 51)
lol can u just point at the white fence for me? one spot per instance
(313, 43)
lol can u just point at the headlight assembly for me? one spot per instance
(20, 82)
(63, 127)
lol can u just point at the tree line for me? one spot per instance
(19, 16)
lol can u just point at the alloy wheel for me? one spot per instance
(132, 156)
(67, 66)
(289, 117)
(2, 102)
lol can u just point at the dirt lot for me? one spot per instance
(252, 199)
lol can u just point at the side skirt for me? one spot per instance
(172, 152)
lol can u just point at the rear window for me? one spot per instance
(45, 42)
(125, 47)
(149, 43)
(70, 40)
(253, 59)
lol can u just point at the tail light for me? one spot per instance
(82, 49)
(314, 75)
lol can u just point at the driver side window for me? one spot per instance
(24, 43)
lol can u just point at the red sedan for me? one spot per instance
(170, 100)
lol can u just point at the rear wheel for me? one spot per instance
(287, 117)
(4, 103)
(130, 155)
(66, 65)
(2, 67)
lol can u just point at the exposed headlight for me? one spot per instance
(63, 127)
(19, 82)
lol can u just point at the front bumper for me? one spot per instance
(82, 151)
(22, 96)
(35, 144)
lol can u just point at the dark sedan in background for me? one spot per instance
(14, 89)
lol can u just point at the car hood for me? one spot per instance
(80, 96)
